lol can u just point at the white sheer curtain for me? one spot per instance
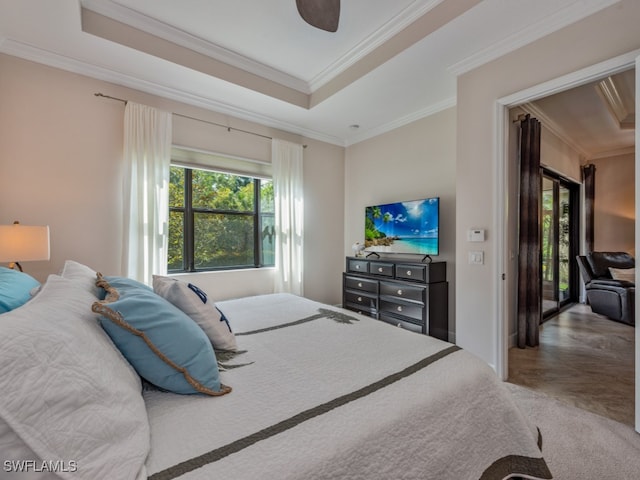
(286, 161)
(147, 157)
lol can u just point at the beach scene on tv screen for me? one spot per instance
(403, 227)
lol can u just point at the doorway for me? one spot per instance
(503, 124)
(559, 214)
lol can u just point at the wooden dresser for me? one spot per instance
(398, 291)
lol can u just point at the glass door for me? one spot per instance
(559, 242)
(549, 247)
(564, 244)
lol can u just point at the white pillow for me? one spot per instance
(66, 391)
(627, 274)
(82, 274)
(194, 302)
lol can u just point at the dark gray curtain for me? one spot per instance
(589, 182)
(529, 287)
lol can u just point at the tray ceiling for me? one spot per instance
(388, 64)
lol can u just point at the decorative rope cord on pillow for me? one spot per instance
(113, 295)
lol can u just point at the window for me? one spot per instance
(219, 221)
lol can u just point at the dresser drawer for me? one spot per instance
(417, 273)
(401, 290)
(360, 266)
(363, 284)
(395, 319)
(369, 312)
(383, 269)
(409, 310)
(361, 300)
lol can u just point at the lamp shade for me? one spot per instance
(24, 243)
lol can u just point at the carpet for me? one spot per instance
(580, 445)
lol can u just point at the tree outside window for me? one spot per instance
(219, 220)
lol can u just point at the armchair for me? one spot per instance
(614, 298)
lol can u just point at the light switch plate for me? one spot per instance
(476, 258)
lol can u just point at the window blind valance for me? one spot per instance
(192, 158)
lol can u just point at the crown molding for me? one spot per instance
(559, 132)
(560, 19)
(621, 109)
(135, 19)
(150, 25)
(554, 128)
(402, 121)
(613, 153)
(378, 38)
(34, 54)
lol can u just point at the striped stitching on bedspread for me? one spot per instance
(214, 455)
(505, 466)
(323, 313)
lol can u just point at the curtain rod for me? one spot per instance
(194, 118)
(520, 117)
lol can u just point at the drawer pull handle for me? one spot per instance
(399, 308)
(399, 291)
(380, 269)
(408, 273)
(357, 267)
(359, 299)
(360, 284)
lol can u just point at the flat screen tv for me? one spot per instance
(403, 227)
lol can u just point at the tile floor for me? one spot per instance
(583, 359)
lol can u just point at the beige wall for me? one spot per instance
(597, 38)
(411, 162)
(61, 160)
(61, 153)
(614, 206)
(559, 157)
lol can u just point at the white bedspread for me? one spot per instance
(336, 395)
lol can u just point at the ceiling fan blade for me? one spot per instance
(323, 14)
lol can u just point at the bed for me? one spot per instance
(309, 391)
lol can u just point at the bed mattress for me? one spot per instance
(324, 393)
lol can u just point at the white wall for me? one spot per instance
(61, 164)
(602, 36)
(411, 162)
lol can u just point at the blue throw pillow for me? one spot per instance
(15, 288)
(162, 343)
